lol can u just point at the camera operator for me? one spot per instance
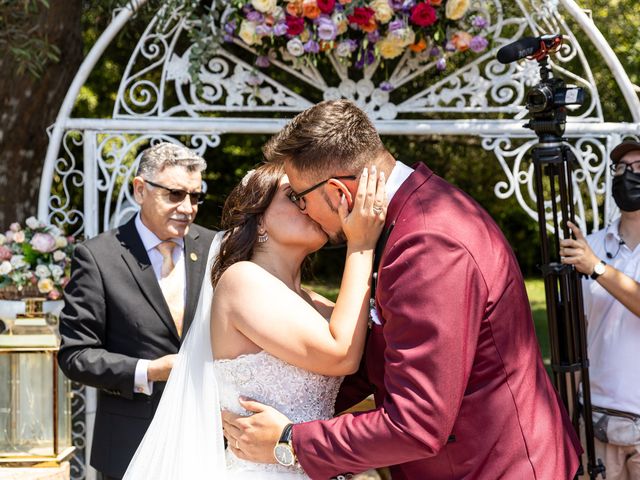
(611, 257)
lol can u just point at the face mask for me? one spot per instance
(626, 191)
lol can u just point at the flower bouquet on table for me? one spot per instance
(35, 261)
(357, 33)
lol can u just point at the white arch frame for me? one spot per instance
(592, 140)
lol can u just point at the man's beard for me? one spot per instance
(335, 238)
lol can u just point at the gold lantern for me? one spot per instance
(35, 397)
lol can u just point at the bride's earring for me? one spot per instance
(263, 237)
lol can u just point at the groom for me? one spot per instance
(452, 358)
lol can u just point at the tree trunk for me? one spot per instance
(30, 105)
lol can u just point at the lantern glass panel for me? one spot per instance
(26, 406)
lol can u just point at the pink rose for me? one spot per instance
(15, 227)
(5, 253)
(54, 295)
(43, 242)
(18, 237)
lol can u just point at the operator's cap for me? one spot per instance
(624, 148)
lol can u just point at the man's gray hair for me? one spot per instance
(158, 157)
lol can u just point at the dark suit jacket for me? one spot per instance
(114, 315)
(460, 387)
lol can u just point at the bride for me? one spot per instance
(262, 335)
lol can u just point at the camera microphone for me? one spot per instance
(528, 47)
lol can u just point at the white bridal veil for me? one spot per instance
(185, 437)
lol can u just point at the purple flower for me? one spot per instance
(408, 5)
(366, 57)
(311, 47)
(435, 52)
(280, 29)
(228, 38)
(395, 25)
(327, 30)
(441, 64)
(230, 27)
(373, 36)
(262, 61)
(43, 242)
(478, 43)
(396, 4)
(479, 22)
(254, 16)
(450, 47)
(263, 30)
(254, 80)
(386, 86)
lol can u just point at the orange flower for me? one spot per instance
(461, 41)
(324, 46)
(310, 9)
(371, 26)
(419, 45)
(294, 7)
(345, 2)
(435, 3)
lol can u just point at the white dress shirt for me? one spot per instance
(150, 242)
(397, 177)
(613, 332)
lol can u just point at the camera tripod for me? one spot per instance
(553, 163)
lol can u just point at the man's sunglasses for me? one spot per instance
(298, 198)
(178, 196)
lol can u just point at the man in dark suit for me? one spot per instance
(130, 301)
(452, 358)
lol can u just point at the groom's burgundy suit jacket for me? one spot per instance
(460, 388)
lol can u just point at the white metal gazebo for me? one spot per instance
(156, 100)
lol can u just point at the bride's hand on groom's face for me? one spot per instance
(253, 438)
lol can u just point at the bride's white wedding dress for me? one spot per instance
(184, 440)
(300, 395)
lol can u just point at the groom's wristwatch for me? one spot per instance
(283, 451)
(598, 269)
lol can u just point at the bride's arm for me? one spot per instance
(279, 321)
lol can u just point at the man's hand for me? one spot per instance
(578, 252)
(253, 438)
(160, 368)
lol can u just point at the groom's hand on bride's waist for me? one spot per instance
(254, 437)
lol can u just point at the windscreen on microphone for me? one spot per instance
(522, 48)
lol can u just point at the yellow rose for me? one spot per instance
(248, 32)
(45, 285)
(264, 6)
(389, 48)
(402, 37)
(456, 9)
(383, 10)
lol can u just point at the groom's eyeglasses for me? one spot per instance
(177, 196)
(298, 198)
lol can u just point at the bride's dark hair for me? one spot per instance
(241, 216)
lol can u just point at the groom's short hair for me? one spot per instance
(329, 137)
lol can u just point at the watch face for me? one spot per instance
(284, 454)
(599, 269)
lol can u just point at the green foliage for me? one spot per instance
(21, 41)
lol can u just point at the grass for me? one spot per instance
(535, 290)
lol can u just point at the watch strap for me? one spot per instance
(286, 435)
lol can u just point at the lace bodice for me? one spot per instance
(299, 394)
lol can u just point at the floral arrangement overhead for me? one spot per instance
(358, 32)
(34, 261)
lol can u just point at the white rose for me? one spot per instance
(383, 10)
(56, 271)
(18, 237)
(264, 6)
(248, 32)
(59, 256)
(3, 239)
(17, 261)
(456, 9)
(45, 285)
(295, 47)
(5, 267)
(402, 37)
(42, 271)
(61, 242)
(33, 223)
(343, 49)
